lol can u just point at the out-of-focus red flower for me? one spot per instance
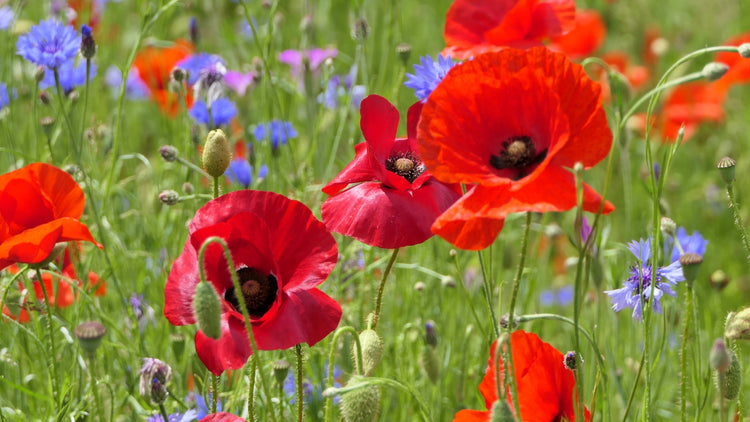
(545, 387)
(473, 27)
(155, 66)
(222, 417)
(281, 253)
(86, 11)
(512, 122)
(739, 67)
(585, 38)
(636, 75)
(40, 206)
(395, 200)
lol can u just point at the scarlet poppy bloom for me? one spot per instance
(40, 206)
(511, 122)
(739, 67)
(222, 417)
(546, 387)
(155, 66)
(281, 252)
(585, 38)
(473, 27)
(395, 200)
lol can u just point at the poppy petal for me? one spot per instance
(357, 171)
(230, 351)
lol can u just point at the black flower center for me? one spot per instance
(258, 291)
(406, 165)
(518, 153)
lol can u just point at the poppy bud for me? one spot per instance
(207, 310)
(404, 52)
(738, 326)
(169, 153)
(691, 263)
(430, 363)
(668, 226)
(361, 404)
(730, 387)
(178, 74)
(88, 45)
(719, 357)
(169, 197)
(280, 371)
(372, 351)
(714, 71)
(718, 280)
(155, 375)
(619, 85)
(744, 50)
(216, 153)
(90, 336)
(501, 412)
(726, 168)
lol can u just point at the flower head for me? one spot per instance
(427, 76)
(188, 416)
(281, 254)
(474, 27)
(201, 64)
(155, 66)
(394, 200)
(546, 388)
(222, 112)
(40, 206)
(155, 375)
(312, 58)
(694, 243)
(49, 44)
(638, 287)
(512, 122)
(6, 17)
(277, 131)
(70, 76)
(4, 99)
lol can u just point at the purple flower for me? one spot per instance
(637, 288)
(135, 88)
(239, 82)
(189, 416)
(142, 311)
(154, 376)
(4, 99)
(6, 17)
(70, 76)
(309, 391)
(222, 112)
(694, 243)
(338, 86)
(201, 64)
(49, 44)
(427, 76)
(277, 131)
(314, 57)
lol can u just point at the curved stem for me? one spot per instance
(331, 355)
(251, 390)
(379, 300)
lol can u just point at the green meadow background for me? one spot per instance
(143, 236)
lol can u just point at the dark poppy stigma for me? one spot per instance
(258, 291)
(406, 165)
(518, 153)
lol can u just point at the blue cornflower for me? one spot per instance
(428, 75)
(6, 17)
(309, 391)
(70, 76)
(240, 171)
(277, 131)
(49, 44)
(222, 112)
(637, 289)
(562, 296)
(135, 88)
(189, 416)
(338, 86)
(694, 243)
(201, 407)
(200, 64)
(4, 99)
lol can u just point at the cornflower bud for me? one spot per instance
(155, 375)
(88, 45)
(193, 30)
(169, 197)
(404, 52)
(178, 74)
(207, 310)
(169, 153)
(39, 74)
(668, 226)
(48, 124)
(216, 153)
(372, 351)
(570, 360)
(718, 280)
(719, 357)
(744, 50)
(361, 29)
(726, 168)
(188, 188)
(431, 337)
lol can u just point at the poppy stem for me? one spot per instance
(738, 223)
(331, 356)
(85, 104)
(298, 379)
(216, 188)
(579, 289)
(513, 296)
(251, 389)
(379, 300)
(51, 337)
(487, 291)
(214, 392)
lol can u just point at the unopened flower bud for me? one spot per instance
(73, 96)
(216, 153)
(404, 52)
(178, 74)
(88, 45)
(452, 253)
(713, 71)
(504, 322)
(280, 371)
(570, 360)
(188, 188)
(431, 336)
(419, 286)
(155, 375)
(731, 381)
(448, 281)
(718, 280)
(668, 226)
(169, 153)
(48, 124)
(361, 29)
(169, 197)
(691, 263)
(39, 73)
(193, 30)
(738, 326)
(726, 168)
(360, 404)
(744, 50)
(90, 336)
(719, 357)
(430, 363)
(44, 97)
(207, 310)
(501, 412)
(619, 85)
(372, 351)
(306, 24)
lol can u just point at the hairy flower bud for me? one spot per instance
(719, 357)
(430, 363)
(207, 310)
(169, 197)
(732, 382)
(360, 404)
(372, 351)
(738, 326)
(501, 412)
(217, 153)
(169, 153)
(280, 371)
(155, 375)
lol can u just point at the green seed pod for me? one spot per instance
(207, 310)
(501, 412)
(90, 335)
(691, 263)
(726, 168)
(280, 371)
(430, 362)
(372, 351)
(216, 153)
(361, 404)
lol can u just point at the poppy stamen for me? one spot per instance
(258, 291)
(406, 165)
(518, 153)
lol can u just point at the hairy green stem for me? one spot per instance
(300, 393)
(737, 218)
(684, 352)
(379, 299)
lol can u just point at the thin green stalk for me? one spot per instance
(71, 132)
(85, 101)
(465, 292)
(487, 290)
(579, 289)
(635, 386)
(251, 390)
(214, 392)
(738, 223)
(51, 338)
(163, 412)
(216, 187)
(684, 352)
(300, 393)
(511, 311)
(379, 299)
(94, 389)
(193, 167)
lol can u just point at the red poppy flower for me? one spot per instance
(40, 206)
(281, 252)
(545, 387)
(399, 208)
(473, 27)
(511, 122)
(585, 38)
(221, 417)
(155, 66)
(739, 67)
(86, 11)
